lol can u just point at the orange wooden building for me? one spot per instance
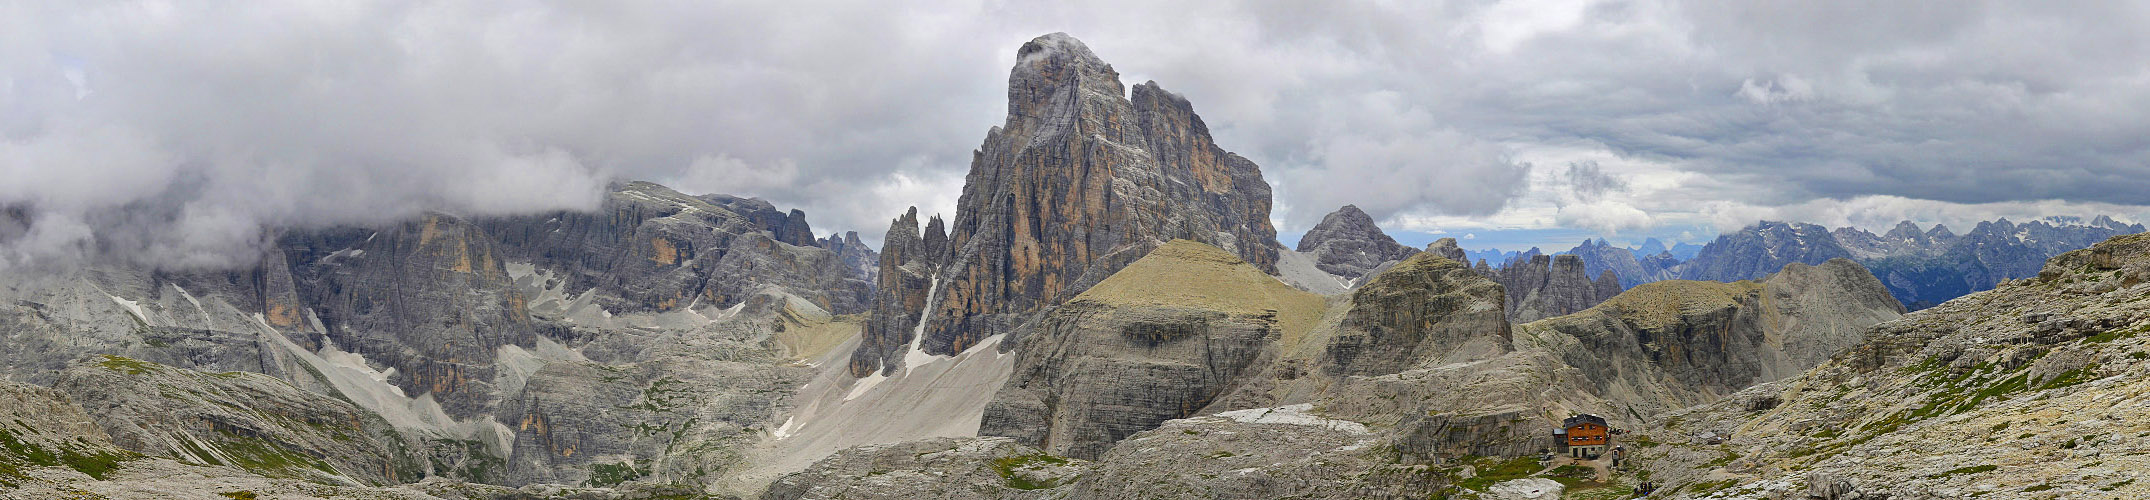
(1583, 436)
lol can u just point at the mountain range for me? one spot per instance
(1921, 267)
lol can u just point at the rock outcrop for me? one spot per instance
(1545, 286)
(1446, 248)
(1161, 339)
(1347, 244)
(1426, 311)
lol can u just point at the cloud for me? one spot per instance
(179, 131)
(1590, 182)
(1606, 217)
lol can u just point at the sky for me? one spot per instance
(177, 133)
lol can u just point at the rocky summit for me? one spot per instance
(1083, 178)
(1347, 244)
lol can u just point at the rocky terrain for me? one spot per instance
(2031, 390)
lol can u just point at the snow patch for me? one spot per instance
(784, 431)
(917, 354)
(1294, 415)
(132, 307)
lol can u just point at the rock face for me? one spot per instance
(2040, 372)
(1347, 243)
(245, 420)
(1675, 343)
(429, 297)
(1078, 183)
(1546, 286)
(1160, 340)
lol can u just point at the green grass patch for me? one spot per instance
(96, 463)
(2116, 334)
(268, 459)
(1711, 486)
(602, 475)
(1010, 469)
(126, 365)
(1975, 469)
(1492, 471)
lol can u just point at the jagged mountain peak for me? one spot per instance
(1037, 224)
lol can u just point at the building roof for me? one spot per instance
(1580, 419)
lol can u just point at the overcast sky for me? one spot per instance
(178, 129)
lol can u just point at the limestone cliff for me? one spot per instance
(1081, 180)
